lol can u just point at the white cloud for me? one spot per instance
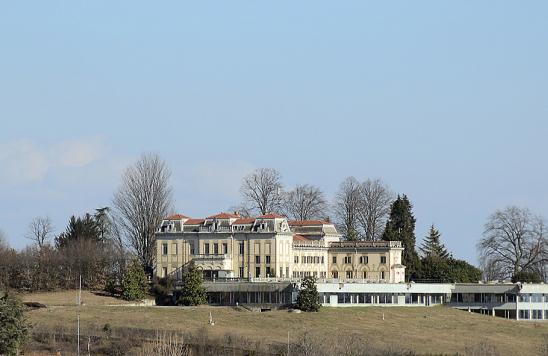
(78, 153)
(23, 161)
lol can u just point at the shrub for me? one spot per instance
(526, 276)
(193, 291)
(14, 328)
(162, 289)
(308, 299)
(134, 284)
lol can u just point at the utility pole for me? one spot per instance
(79, 302)
(287, 342)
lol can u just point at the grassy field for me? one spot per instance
(434, 330)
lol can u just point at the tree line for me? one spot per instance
(513, 245)
(99, 246)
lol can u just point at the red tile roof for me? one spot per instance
(243, 221)
(176, 217)
(194, 221)
(308, 223)
(224, 216)
(298, 237)
(271, 216)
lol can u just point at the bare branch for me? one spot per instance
(3, 241)
(262, 191)
(40, 230)
(305, 202)
(346, 208)
(374, 208)
(142, 201)
(514, 240)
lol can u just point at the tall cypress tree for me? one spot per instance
(432, 245)
(401, 227)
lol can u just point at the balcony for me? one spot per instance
(221, 262)
(212, 229)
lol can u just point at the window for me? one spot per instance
(334, 259)
(537, 314)
(191, 243)
(225, 248)
(382, 274)
(164, 249)
(383, 259)
(164, 271)
(174, 249)
(364, 260)
(215, 248)
(287, 271)
(322, 260)
(281, 271)
(296, 259)
(348, 274)
(267, 271)
(206, 249)
(241, 248)
(524, 314)
(241, 272)
(267, 259)
(364, 275)
(257, 259)
(348, 259)
(257, 272)
(335, 274)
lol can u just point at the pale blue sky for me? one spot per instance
(448, 102)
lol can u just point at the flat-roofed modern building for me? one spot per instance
(511, 301)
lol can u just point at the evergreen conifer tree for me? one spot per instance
(432, 245)
(401, 227)
(14, 328)
(134, 284)
(193, 291)
(308, 298)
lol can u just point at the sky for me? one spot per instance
(447, 102)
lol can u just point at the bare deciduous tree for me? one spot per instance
(141, 202)
(261, 191)
(305, 202)
(514, 240)
(346, 208)
(40, 230)
(374, 208)
(3, 241)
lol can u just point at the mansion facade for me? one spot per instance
(228, 246)
(259, 262)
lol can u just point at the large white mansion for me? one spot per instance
(229, 246)
(261, 260)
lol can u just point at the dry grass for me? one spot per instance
(69, 298)
(423, 330)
